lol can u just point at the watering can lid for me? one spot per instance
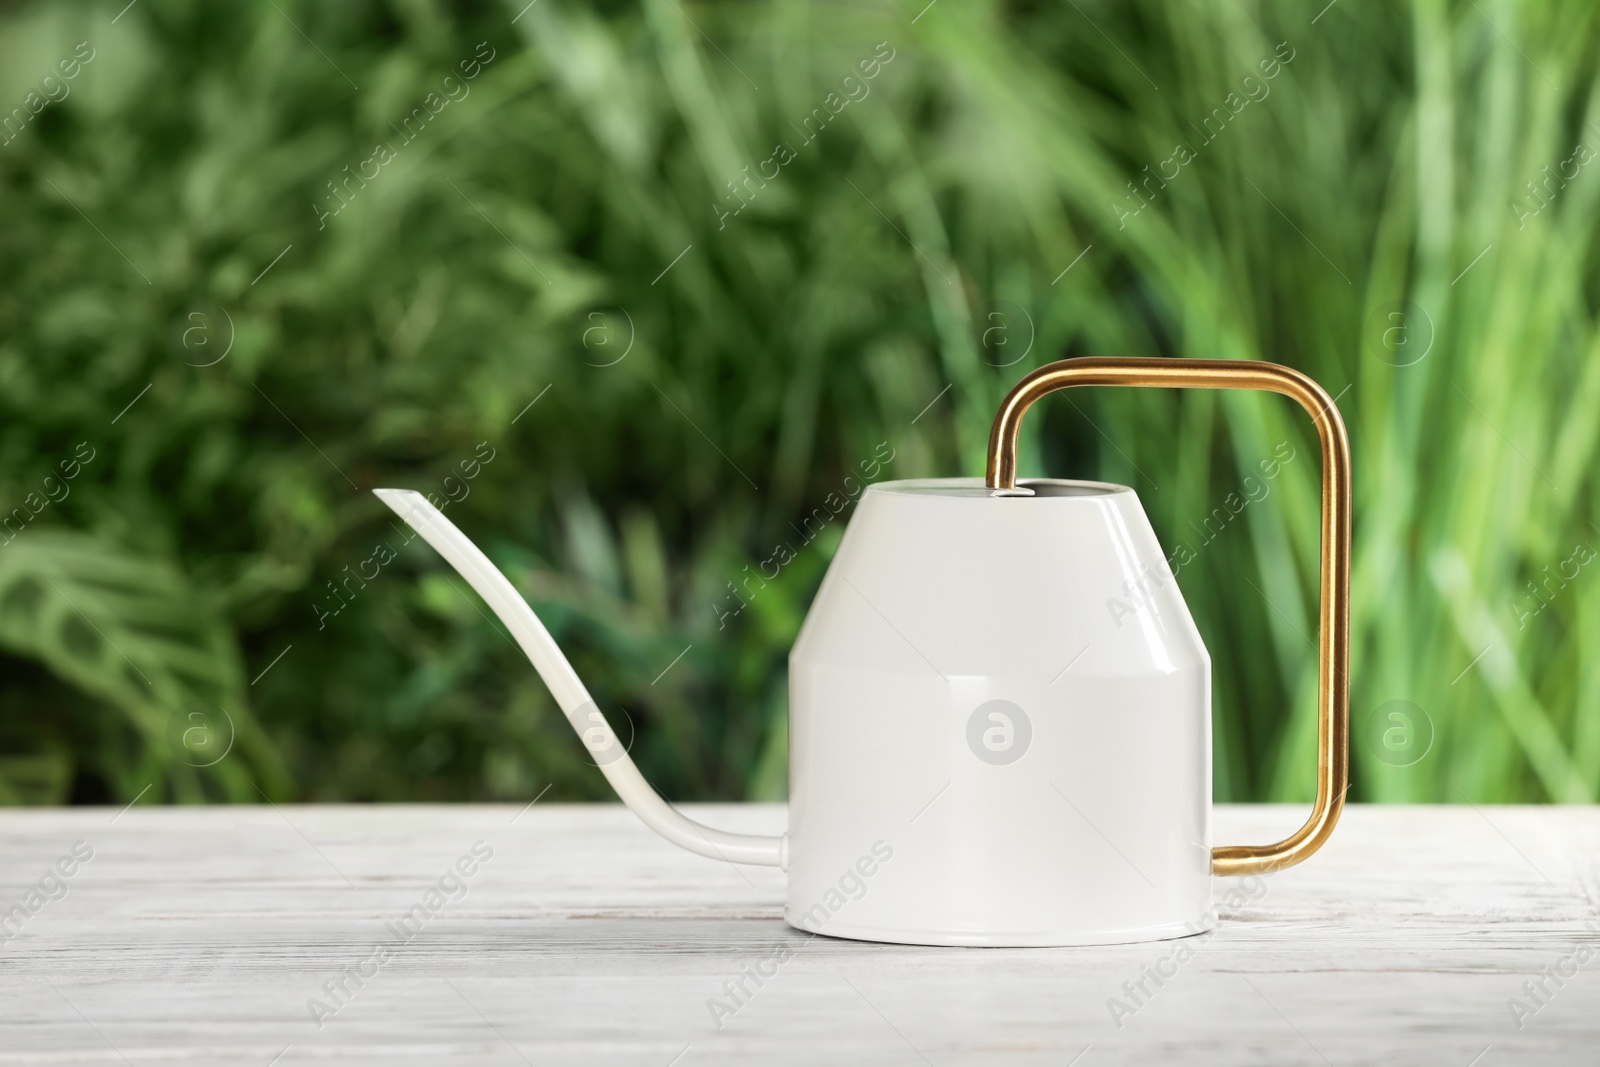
(976, 489)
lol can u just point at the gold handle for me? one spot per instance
(1333, 628)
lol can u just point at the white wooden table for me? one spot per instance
(198, 936)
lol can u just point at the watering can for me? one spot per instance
(999, 705)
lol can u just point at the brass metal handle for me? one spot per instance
(1333, 628)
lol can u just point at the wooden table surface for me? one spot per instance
(217, 935)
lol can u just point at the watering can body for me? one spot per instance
(999, 714)
(999, 725)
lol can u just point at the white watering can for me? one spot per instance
(981, 753)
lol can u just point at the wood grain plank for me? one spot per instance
(198, 935)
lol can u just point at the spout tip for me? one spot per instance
(409, 504)
(395, 497)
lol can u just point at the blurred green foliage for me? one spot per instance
(726, 252)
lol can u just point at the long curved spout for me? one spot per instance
(597, 735)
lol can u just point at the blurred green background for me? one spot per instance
(260, 258)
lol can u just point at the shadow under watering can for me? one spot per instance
(978, 754)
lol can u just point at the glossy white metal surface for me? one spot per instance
(999, 725)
